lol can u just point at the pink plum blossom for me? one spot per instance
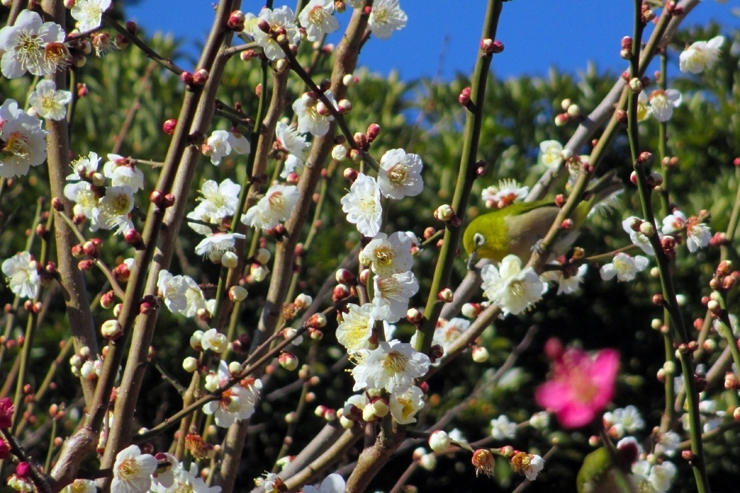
(581, 385)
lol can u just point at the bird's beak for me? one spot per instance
(473, 259)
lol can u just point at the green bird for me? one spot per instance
(518, 228)
(607, 472)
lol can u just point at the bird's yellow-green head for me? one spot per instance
(517, 229)
(512, 230)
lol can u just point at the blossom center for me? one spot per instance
(381, 15)
(583, 387)
(407, 407)
(398, 174)
(317, 15)
(128, 469)
(55, 55)
(388, 288)
(29, 49)
(276, 200)
(384, 256)
(517, 288)
(395, 362)
(120, 205)
(18, 145)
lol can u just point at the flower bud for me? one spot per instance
(445, 296)
(237, 293)
(316, 321)
(414, 316)
(111, 329)
(443, 213)
(195, 340)
(190, 364)
(344, 276)
(344, 105)
(349, 80)
(288, 361)
(635, 85)
(234, 368)
(647, 229)
(229, 260)
(480, 354)
(261, 257)
(439, 441)
(339, 153)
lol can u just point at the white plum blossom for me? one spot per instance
(22, 141)
(392, 366)
(637, 237)
(551, 153)
(114, 208)
(213, 340)
(132, 471)
(275, 207)
(48, 102)
(448, 332)
(386, 17)
(333, 483)
(624, 420)
(86, 202)
(318, 19)
(121, 171)
(644, 110)
(566, 284)
(80, 486)
(219, 199)
(22, 275)
(502, 428)
(362, 205)
(404, 406)
(181, 293)
(532, 466)
(218, 243)
(185, 481)
(387, 255)
(217, 146)
(235, 403)
(391, 296)
(32, 45)
(507, 192)
(700, 55)
(310, 118)
(667, 443)
(674, 223)
(289, 140)
(698, 234)
(89, 13)
(514, 289)
(239, 143)
(356, 328)
(399, 175)
(662, 103)
(164, 477)
(624, 267)
(278, 18)
(653, 478)
(85, 164)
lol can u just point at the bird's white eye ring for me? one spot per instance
(478, 239)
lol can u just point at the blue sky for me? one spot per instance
(536, 34)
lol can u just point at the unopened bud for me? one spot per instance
(190, 364)
(480, 354)
(288, 361)
(444, 213)
(111, 329)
